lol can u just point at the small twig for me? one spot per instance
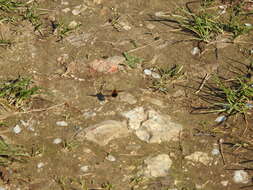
(30, 111)
(220, 141)
(206, 77)
(142, 47)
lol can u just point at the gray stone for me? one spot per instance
(157, 166)
(106, 131)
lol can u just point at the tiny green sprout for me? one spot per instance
(132, 61)
(31, 15)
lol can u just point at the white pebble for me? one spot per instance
(77, 10)
(248, 24)
(220, 119)
(147, 72)
(62, 123)
(40, 165)
(110, 158)
(84, 168)
(57, 141)
(17, 129)
(160, 14)
(155, 75)
(215, 151)
(127, 27)
(224, 183)
(240, 176)
(222, 9)
(195, 51)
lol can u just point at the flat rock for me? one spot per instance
(135, 117)
(109, 65)
(159, 127)
(151, 126)
(157, 166)
(201, 157)
(106, 131)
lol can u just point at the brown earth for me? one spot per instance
(68, 83)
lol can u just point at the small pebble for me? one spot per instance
(220, 119)
(240, 176)
(84, 168)
(17, 129)
(147, 72)
(195, 51)
(73, 24)
(150, 26)
(215, 151)
(224, 183)
(57, 141)
(155, 75)
(2, 188)
(40, 165)
(62, 123)
(110, 158)
(77, 10)
(248, 105)
(160, 14)
(222, 9)
(248, 24)
(66, 10)
(126, 27)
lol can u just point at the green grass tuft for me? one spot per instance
(18, 91)
(10, 5)
(207, 23)
(9, 153)
(167, 75)
(236, 96)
